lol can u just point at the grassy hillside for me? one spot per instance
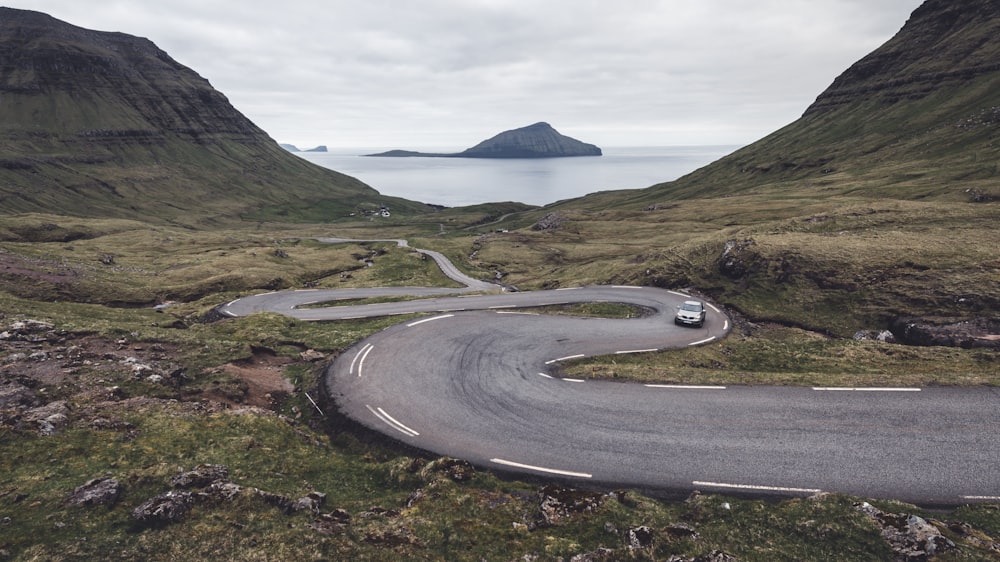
(107, 125)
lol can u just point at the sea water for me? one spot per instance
(454, 182)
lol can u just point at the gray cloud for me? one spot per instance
(450, 72)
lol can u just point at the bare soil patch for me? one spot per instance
(264, 377)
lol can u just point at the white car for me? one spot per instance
(691, 313)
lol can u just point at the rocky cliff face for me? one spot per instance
(534, 141)
(107, 124)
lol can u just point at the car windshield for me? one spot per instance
(691, 307)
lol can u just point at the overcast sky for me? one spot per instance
(450, 73)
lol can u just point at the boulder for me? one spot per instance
(681, 530)
(222, 491)
(13, 395)
(884, 336)
(50, 418)
(912, 538)
(458, 470)
(556, 503)
(284, 503)
(331, 523)
(312, 355)
(169, 507)
(738, 258)
(31, 327)
(200, 476)
(99, 491)
(311, 502)
(551, 221)
(640, 537)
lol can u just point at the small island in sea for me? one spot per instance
(293, 148)
(534, 141)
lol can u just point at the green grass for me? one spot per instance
(591, 310)
(771, 354)
(482, 519)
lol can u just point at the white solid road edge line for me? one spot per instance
(863, 389)
(412, 324)
(388, 420)
(361, 364)
(758, 488)
(561, 379)
(706, 340)
(225, 308)
(685, 386)
(981, 498)
(395, 421)
(367, 347)
(542, 469)
(567, 358)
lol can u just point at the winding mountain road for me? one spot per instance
(480, 380)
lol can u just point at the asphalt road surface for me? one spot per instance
(479, 379)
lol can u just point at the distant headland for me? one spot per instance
(534, 141)
(293, 148)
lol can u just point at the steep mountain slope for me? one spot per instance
(106, 124)
(919, 117)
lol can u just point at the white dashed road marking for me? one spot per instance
(685, 387)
